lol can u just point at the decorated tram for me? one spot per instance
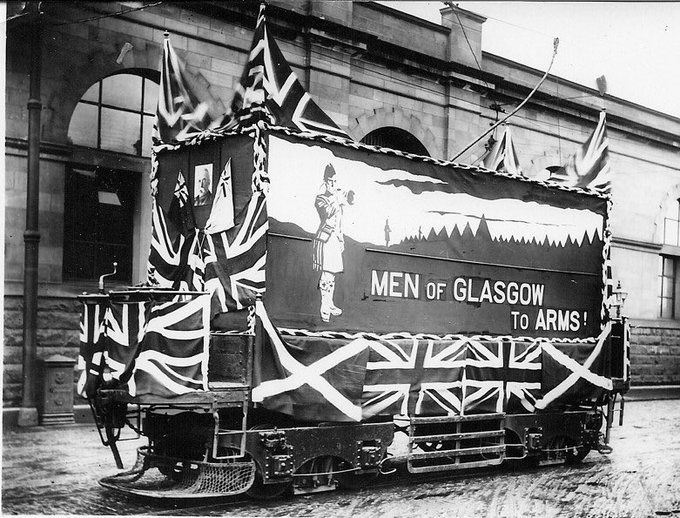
(320, 312)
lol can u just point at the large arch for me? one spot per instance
(397, 118)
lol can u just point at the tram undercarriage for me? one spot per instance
(212, 445)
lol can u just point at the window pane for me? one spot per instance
(667, 286)
(120, 131)
(668, 267)
(124, 90)
(666, 308)
(150, 96)
(146, 135)
(92, 93)
(98, 232)
(670, 236)
(83, 127)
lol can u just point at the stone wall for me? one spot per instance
(655, 355)
(58, 333)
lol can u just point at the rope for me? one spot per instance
(556, 42)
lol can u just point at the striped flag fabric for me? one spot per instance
(235, 259)
(173, 356)
(270, 88)
(90, 357)
(588, 167)
(222, 212)
(502, 156)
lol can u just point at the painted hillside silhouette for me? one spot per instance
(481, 247)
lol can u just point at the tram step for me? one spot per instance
(451, 467)
(456, 436)
(456, 418)
(461, 452)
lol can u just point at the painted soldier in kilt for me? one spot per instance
(329, 241)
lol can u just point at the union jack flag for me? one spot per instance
(269, 86)
(91, 348)
(503, 155)
(173, 357)
(180, 113)
(125, 327)
(170, 242)
(589, 166)
(222, 211)
(235, 259)
(502, 375)
(411, 377)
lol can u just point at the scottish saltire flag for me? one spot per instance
(125, 324)
(575, 371)
(91, 352)
(173, 357)
(180, 114)
(269, 84)
(414, 377)
(236, 258)
(314, 379)
(503, 155)
(222, 212)
(589, 166)
(172, 239)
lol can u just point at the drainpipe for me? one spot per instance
(28, 414)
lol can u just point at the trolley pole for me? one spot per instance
(28, 414)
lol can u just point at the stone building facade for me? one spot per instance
(383, 76)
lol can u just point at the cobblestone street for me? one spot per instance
(55, 471)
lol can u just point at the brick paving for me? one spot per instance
(55, 471)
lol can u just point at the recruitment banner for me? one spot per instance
(369, 241)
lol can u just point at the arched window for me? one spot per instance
(101, 198)
(395, 138)
(116, 113)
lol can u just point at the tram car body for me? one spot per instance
(335, 311)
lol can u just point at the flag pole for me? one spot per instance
(556, 43)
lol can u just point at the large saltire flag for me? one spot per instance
(173, 357)
(314, 379)
(91, 355)
(589, 166)
(575, 372)
(502, 156)
(172, 239)
(235, 259)
(268, 83)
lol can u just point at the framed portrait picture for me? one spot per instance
(203, 185)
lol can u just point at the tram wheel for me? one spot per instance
(259, 490)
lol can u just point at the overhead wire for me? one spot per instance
(107, 15)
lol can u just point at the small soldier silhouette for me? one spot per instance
(329, 241)
(387, 232)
